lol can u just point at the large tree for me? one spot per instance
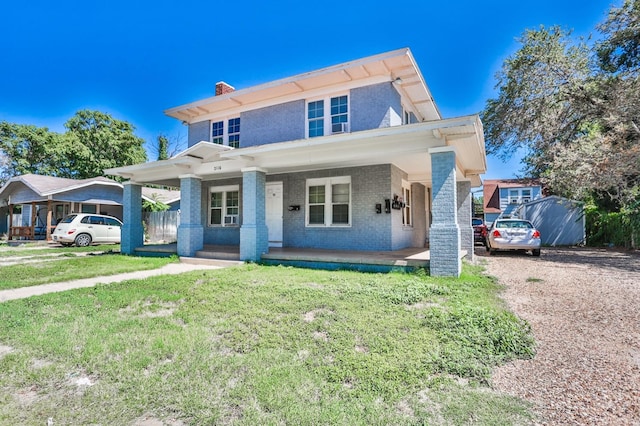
(30, 149)
(102, 142)
(575, 108)
(93, 142)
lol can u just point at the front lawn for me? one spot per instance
(262, 345)
(64, 266)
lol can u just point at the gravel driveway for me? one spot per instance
(584, 308)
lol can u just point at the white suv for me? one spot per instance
(82, 229)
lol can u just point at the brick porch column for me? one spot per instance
(444, 234)
(465, 204)
(190, 230)
(132, 229)
(254, 235)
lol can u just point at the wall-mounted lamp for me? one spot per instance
(184, 122)
(398, 80)
(294, 207)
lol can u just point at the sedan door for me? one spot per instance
(114, 228)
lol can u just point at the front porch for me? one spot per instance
(365, 261)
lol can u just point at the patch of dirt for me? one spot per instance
(583, 307)
(5, 350)
(311, 315)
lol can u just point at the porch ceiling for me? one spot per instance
(407, 147)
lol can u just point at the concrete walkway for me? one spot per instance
(169, 269)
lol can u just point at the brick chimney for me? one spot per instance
(223, 88)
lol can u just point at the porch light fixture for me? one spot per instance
(398, 81)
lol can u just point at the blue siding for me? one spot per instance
(278, 123)
(375, 106)
(99, 192)
(370, 185)
(199, 132)
(220, 235)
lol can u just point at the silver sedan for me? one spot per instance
(513, 234)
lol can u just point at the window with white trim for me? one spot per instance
(224, 205)
(234, 132)
(406, 209)
(226, 132)
(514, 196)
(520, 195)
(328, 116)
(329, 201)
(217, 132)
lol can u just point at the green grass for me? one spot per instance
(73, 268)
(263, 345)
(38, 250)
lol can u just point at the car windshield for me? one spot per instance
(514, 224)
(69, 218)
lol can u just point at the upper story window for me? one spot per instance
(339, 114)
(329, 201)
(521, 195)
(328, 116)
(217, 132)
(226, 132)
(224, 205)
(234, 132)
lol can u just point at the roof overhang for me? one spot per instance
(405, 146)
(397, 66)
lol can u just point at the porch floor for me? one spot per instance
(374, 261)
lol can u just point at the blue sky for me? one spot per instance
(134, 59)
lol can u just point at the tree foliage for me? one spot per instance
(93, 142)
(574, 107)
(163, 147)
(102, 142)
(30, 149)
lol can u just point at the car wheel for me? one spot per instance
(83, 240)
(535, 252)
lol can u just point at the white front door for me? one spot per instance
(273, 206)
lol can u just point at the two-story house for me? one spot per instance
(350, 157)
(503, 197)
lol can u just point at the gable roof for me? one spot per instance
(45, 186)
(50, 185)
(394, 66)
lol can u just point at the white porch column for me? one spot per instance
(444, 234)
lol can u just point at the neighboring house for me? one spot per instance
(559, 220)
(503, 196)
(351, 157)
(45, 200)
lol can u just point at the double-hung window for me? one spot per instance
(329, 201)
(224, 205)
(339, 114)
(406, 209)
(234, 132)
(226, 132)
(328, 116)
(315, 114)
(217, 132)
